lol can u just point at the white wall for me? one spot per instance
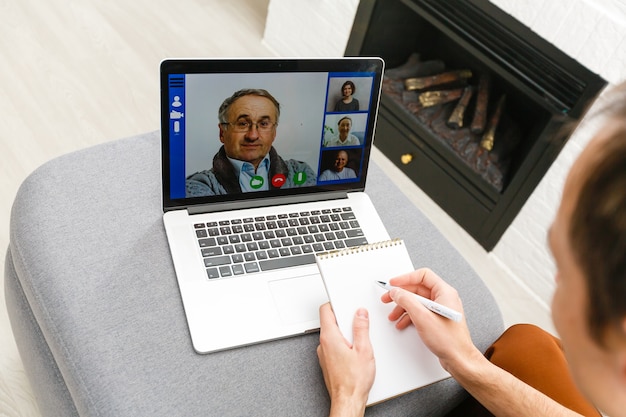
(591, 31)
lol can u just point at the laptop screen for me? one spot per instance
(235, 130)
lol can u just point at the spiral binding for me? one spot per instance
(358, 249)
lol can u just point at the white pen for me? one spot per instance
(442, 310)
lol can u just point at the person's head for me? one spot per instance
(588, 241)
(348, 89)
(341, 160)
(247, 123)
(344, 126)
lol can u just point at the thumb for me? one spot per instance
(361, 328)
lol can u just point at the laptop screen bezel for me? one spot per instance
(225, 66)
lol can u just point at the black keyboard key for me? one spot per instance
(329, 246)
(307, 249)
(214, 251)
(212, 273)
(318, 247)
(214, 231)
(240, 247)
(237, 229)
(224, 222)
(287, 262)
(284, 252)
(295, 250)
(225, 271)
(357, 241)
(286, 241)
(252, 246)
(273, 253)
(234, 239)
(251, 267)
(222, 240)
(249, 256)
(228, 249)
(216, 261)
(226, 230)
(205, 243)
(355, 233)
(201, 233)
(237, 258)
(261, 255)
(348, 216)
(199, 225)
(238, 269)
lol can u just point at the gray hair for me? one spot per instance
(223, 111)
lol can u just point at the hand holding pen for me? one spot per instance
(448, 339)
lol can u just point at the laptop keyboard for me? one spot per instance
(254, 244)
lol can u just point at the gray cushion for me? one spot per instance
(96, 311)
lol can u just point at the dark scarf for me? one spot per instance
(227, 176)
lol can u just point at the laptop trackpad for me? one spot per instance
(298, 299)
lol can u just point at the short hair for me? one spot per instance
(597, 228)
(344, 118)
(223, 110)
(351, 84)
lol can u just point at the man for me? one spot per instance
(344, 138)
(339, 171)
(588, 242)
(247, 161)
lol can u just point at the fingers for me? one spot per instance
(361, 330)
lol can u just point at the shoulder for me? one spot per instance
(203, 183)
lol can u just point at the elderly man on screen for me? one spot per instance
(247, 161)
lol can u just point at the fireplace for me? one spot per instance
(474, 106)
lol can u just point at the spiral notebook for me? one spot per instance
(403, 362)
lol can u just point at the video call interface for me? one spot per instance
(320, 134)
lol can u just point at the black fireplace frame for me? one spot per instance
(560, 88)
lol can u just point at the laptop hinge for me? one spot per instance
(265, 202)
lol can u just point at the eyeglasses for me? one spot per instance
(242, 126)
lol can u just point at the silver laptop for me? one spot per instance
(264, 163)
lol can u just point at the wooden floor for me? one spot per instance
(75, 73)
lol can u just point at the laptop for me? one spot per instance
(264, 163)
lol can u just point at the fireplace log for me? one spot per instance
(421, 83)
(413, 67)
(456, 118)
(433, 98)
(490, 134)
(482, 102)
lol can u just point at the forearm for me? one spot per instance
(502, 393)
